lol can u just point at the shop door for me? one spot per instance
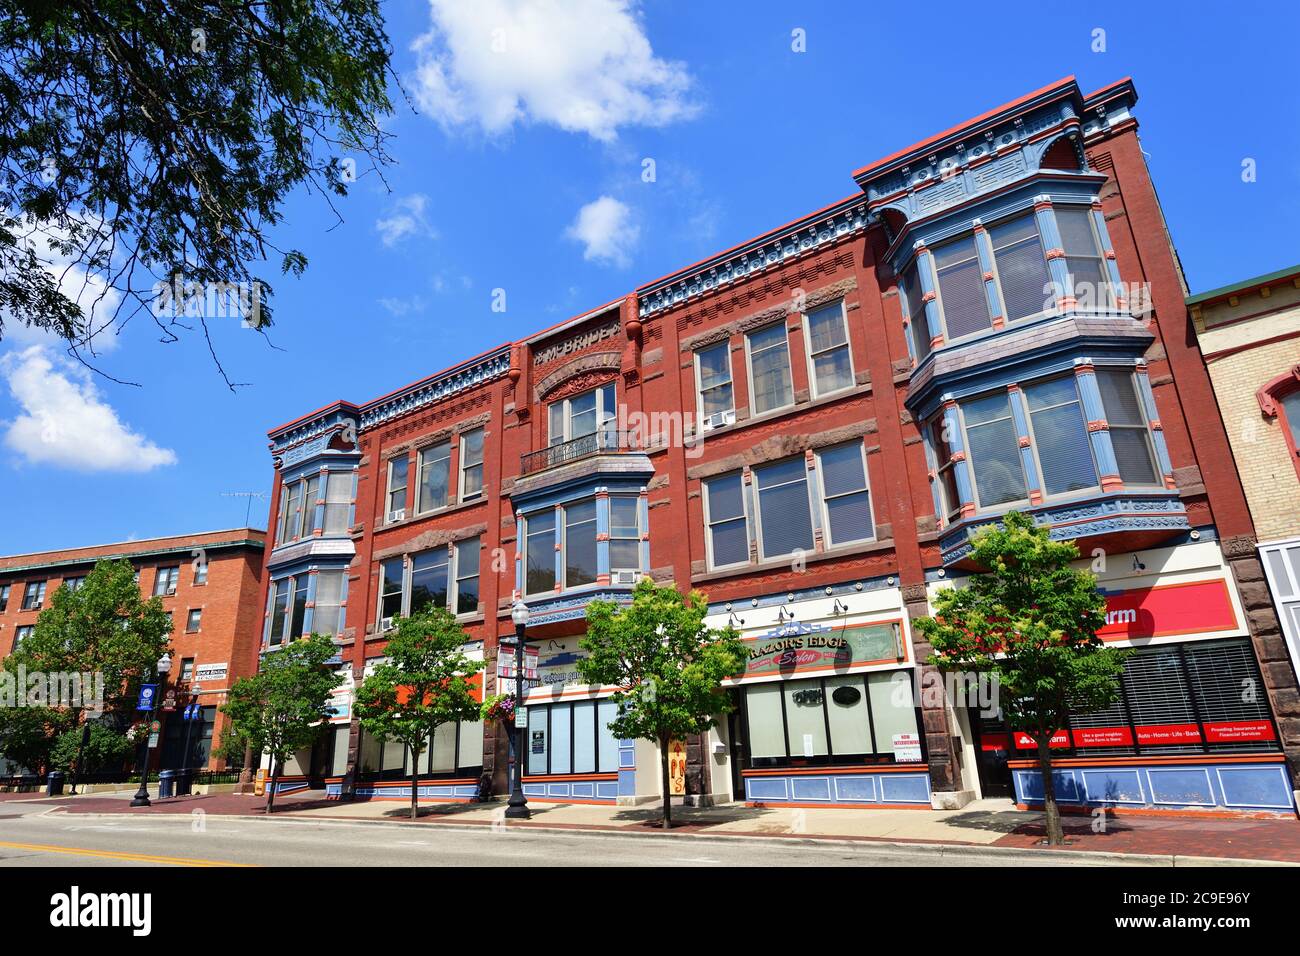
(992, 750)
(735, 724)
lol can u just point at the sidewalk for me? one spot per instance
(983, 823)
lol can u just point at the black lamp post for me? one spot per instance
(517, 807)
(142, 751)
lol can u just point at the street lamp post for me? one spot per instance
(142, 752)
(517, 807)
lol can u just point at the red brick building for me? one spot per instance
(808, 427)
(209, 583)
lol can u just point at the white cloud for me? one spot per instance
(606, 230)
(63, 420)
(97, 299)
(399, 308)
(584, 66)
(407, 219)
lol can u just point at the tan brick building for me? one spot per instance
(209, 582)
(1249, 334)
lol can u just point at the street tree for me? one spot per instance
(284, 707)
(668, 667)
(141, 140)
(423, 683)
(1029, 621)
(104, 635)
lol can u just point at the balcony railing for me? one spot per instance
(599, 442)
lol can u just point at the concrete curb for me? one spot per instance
(938, 849)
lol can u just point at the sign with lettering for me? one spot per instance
(907, 748)
(813, 648)
(1168, 610)
(211, 671)
(576, 343)
(676, 768)
(148, 694)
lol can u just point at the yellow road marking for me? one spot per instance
(118, 855)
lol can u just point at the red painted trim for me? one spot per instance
(1181, 760)
(579, 777)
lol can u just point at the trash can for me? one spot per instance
(166, 784)
(184, 782)
(54, 784)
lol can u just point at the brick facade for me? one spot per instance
(646, 345)
(229, 620)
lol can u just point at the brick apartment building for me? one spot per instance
(808, 427)
(209, 582)
(1249, 333)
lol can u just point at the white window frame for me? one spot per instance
(189, 618)
(389, 490)
(558, 518)
(1103, 268)
(564, 542)
(636, 499)
(933, 260)
(824, 512)
(725, 345)
(969, 461)
(172, 574)
(455, 577)
(758, 505)
(1131, 375)
(403, 590)
(461, 467)
(708, 522)
(420, 467)
(1033, 440)
(809, 356)
(749, 369)
(603, 415)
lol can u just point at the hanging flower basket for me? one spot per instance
(499, 707)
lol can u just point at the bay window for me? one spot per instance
(328, 607)
(1083, 256)
(945, 468)
(713, 379)
(994, 451)
(769, 369)
(579, 544)
(338, 502)
(539, 552)
(962, 299)
(1060, 435)
(918, 325)
(1130, 435)
(845, 718)
(724, 515)
(784, 512)
(828, 349)
(471, 464)
(435, 478)
(288, 609)
(846, 500)
(624, 533)
(297, 517)
(1021, 268)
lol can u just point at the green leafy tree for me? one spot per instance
(107, 749)
(28, 734)
(1030, 621)
(141, 139)
(103, 629)
(284, 707)
(423, 683)
(668, 666)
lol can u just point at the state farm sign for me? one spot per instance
(1169, 610)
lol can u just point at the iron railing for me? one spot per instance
(598, 442)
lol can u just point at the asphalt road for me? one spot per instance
(30, 835)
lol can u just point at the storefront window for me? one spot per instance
(572, 738)
(454, 750)
(843, 718)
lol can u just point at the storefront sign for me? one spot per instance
(1231, 731)
(1148, 735)
(907, 748)
(812, 648)
(557, 662)
(576, 343)
(211, 671)
(506, 662)
(677, 768)
(1169, 610)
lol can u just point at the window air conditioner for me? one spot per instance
(623, 577)
(718, 419)
(398, 515)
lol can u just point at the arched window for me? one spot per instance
(1280, 399)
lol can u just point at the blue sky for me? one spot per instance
(507, 150)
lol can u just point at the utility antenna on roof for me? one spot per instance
(250, 495)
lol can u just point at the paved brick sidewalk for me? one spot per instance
(988, 823)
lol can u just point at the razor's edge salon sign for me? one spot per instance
(814, 648)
